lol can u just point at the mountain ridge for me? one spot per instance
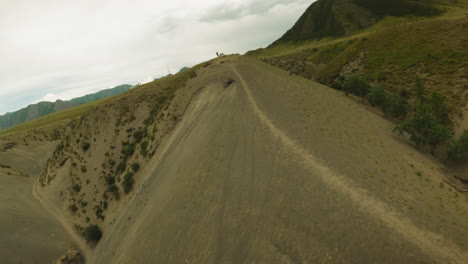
(40, 109)
(338, 18)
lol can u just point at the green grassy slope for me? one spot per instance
(393, 53)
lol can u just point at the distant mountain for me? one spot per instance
(337, 18)
(183, 69)
(34, 111)
(170, 74)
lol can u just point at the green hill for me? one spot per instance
(337, 18)
(396, 43)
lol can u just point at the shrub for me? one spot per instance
(377, 97)
(420, 91)
(404, 94)
(85, 146)
(139, 135)
(113, 188)
(135, 166)
(336, 84)
(110, 180)
(424, 129)
(60, 146)
(121, 168)
(73, 208)
(84, 169)
(356, 85)
(98, 211)
(439, 108)
(76, 188)
(93, 233)
(128, 182)
(144, 148)
(395, 106)
(459, 149)
(128, 150)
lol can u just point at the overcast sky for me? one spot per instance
(61, 49)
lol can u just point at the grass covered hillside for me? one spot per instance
(410, 63)
(393, 52)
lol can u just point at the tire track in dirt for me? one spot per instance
(432, 244)
(79, 241)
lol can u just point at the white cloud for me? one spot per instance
(50, 98)
(70, 48)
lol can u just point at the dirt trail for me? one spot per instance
(431, 243)
(57, 213)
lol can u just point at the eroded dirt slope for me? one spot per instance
(277, 169)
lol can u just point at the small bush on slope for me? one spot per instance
(128, 182)
(378, 97)
(459, 149)
(395, 106)
(139, 135)
(121, 168)
(85, 146)
(128, 150)
(356, 85)
(135, 166)
(93, 233)
(425, 128)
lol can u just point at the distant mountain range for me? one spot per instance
(170, 74)
(34, 111)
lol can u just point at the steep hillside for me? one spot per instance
(34, 111)
(337, 18)
(96, 166)
(235, 161)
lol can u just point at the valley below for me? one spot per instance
(29, 232)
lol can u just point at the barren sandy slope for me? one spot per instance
(277, 169)
(28, 232)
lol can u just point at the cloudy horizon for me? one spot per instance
(61, 49)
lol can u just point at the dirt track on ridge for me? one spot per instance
(277, 169)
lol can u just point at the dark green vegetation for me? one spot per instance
(34, 111)
(459, 148)
(425, 120)
(356, 85)
(128, 182)
(428, 124)
(135, 166)
(92, 233)
(85, 146)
